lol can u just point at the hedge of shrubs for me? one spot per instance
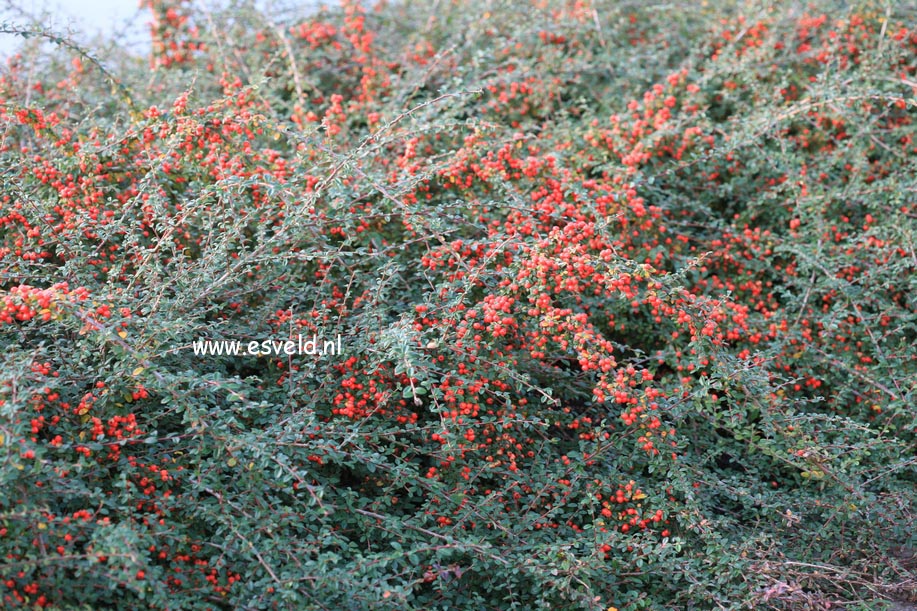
(626, 296)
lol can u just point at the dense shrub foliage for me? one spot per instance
(626, 297)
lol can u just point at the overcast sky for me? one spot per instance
(88, 17)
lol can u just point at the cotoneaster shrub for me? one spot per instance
(625, 292)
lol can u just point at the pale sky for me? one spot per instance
(88, 17)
